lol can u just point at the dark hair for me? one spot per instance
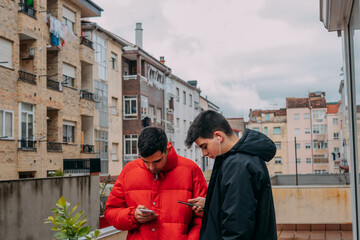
(204, 126)
(151, 140)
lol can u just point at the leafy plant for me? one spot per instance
(67, 226)
(103, 185)
(58, 173)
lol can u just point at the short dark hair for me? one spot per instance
(204, 126)
(151, 140)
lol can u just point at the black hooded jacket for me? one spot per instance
(239, 202)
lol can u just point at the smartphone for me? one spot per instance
(190, 204)
(146, 210)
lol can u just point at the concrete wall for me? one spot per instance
(312, 204)
(311, 179)
(25, 204)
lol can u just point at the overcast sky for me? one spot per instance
(244, 54)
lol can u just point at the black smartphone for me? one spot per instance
(190, 204)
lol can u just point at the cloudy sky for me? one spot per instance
(244, 54)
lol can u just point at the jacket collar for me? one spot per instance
(172, 159)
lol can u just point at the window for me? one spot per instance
(336, 135)
(320, 171)
(297, 131)
(185, 152)
(101, 104)
(335, 121)
(27, 113)
(177, 122)
(321, 159)
(278, 145)
(307, 145)
(318, 115)
(114, 152)
(267, 117)
(184, 126)
(277, 131)
(101, 148)
(278, 160)
(190, 100)
(68, 132)
(265, 130)
(130, 107)
(306, 116)
(144, 106)
(308, 160)
(177, 94)
(320, 144)
(319, 129)
(130, 145)
(184, 97)
(100, 55)
(336, 149)
(6, 53)
(296, 116)
(298, 160)
(113, 61)
(307, 130)
(68, 75)
(69, 18)
(6, 124)
(114, 106)
(152, 113)
(298, 146)
(158, 116)
(256, 129)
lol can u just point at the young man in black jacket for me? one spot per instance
(239, 202)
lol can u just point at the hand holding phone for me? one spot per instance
(190, 204)
(146, 210)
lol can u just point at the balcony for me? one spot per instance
(86, 148)
(54, 85)
(86, 42)
(27, 145)
(129, 77)
(86, 51)
(87, 95)
(27, 10)
(27, 77)
(54, 147)
(86, 165)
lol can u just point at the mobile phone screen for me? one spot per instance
(146, 210)
(189, 204)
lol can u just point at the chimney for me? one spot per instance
(162, 59)
(138, 35)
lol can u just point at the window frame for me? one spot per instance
(130, 98)
(3, 135)
(275, 132)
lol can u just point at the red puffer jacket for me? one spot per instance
(181, 179)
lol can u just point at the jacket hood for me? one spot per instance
(256, 143)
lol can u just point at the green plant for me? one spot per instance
(103, 185)
(58, 173)
(67, 226)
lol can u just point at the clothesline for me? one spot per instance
(59, 31)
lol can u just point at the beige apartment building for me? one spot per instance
(272, 123)
(46, 116)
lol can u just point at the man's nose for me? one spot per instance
(204, 153)
(151, 166)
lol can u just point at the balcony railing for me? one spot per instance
(54, 147)
(87, 165)
(130, 77)
(86, 148)
(27, 145)
(129, 158)
(27, 77)
(86, 42)
(27, 9)
(87, 95)
(54, 85)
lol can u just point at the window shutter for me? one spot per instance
(5, 52)
(68, 70)
(68, 14)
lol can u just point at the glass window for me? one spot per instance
(306, 116)
(68, 133)
(6, 124)
(267, 117)
(6, 53)
(298, 146)
(278, 145)
(277, 160)
(68, 75)
(321, 159)
(277, 131)
(297, 131)
(307, 145)
(298, 160)
(130, 107)
(27, 122)
(152, 113)
(307, 130)
(308, 160)
(100, 55)
(256, 129)
(265, 130)
(184, 97)
(319, 129)
(318, 115)
(336, 135)
(69, 18)
(335, 121)
(113, 61)
(158, 116)
(114, 105)
(177, 94)
(144, 106)
(101, 148)
(320, 144)
(296, 116)
(130, 145)
(114, 152)
(190, 100)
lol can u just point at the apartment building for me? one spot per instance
(143, 94)
(238, 125)
(45, 117)
(310, 124)
(186, 108)
(107, 75)
(273, 123)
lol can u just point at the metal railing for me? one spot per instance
(86, 42)
(130, 77)
(27, 9)
(27, 144)
(54, 85)
(54, 147)
(87, 95)
(86, 165)
(27, 77)
(86, 148)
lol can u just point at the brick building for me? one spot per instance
(42, 74)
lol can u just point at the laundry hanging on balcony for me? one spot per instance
(58, 31)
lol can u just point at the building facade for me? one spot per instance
(43, 111)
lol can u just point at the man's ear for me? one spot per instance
(168, 148)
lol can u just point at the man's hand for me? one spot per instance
(144, 217)
(200, 201)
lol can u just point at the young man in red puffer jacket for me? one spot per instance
(156, 181)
